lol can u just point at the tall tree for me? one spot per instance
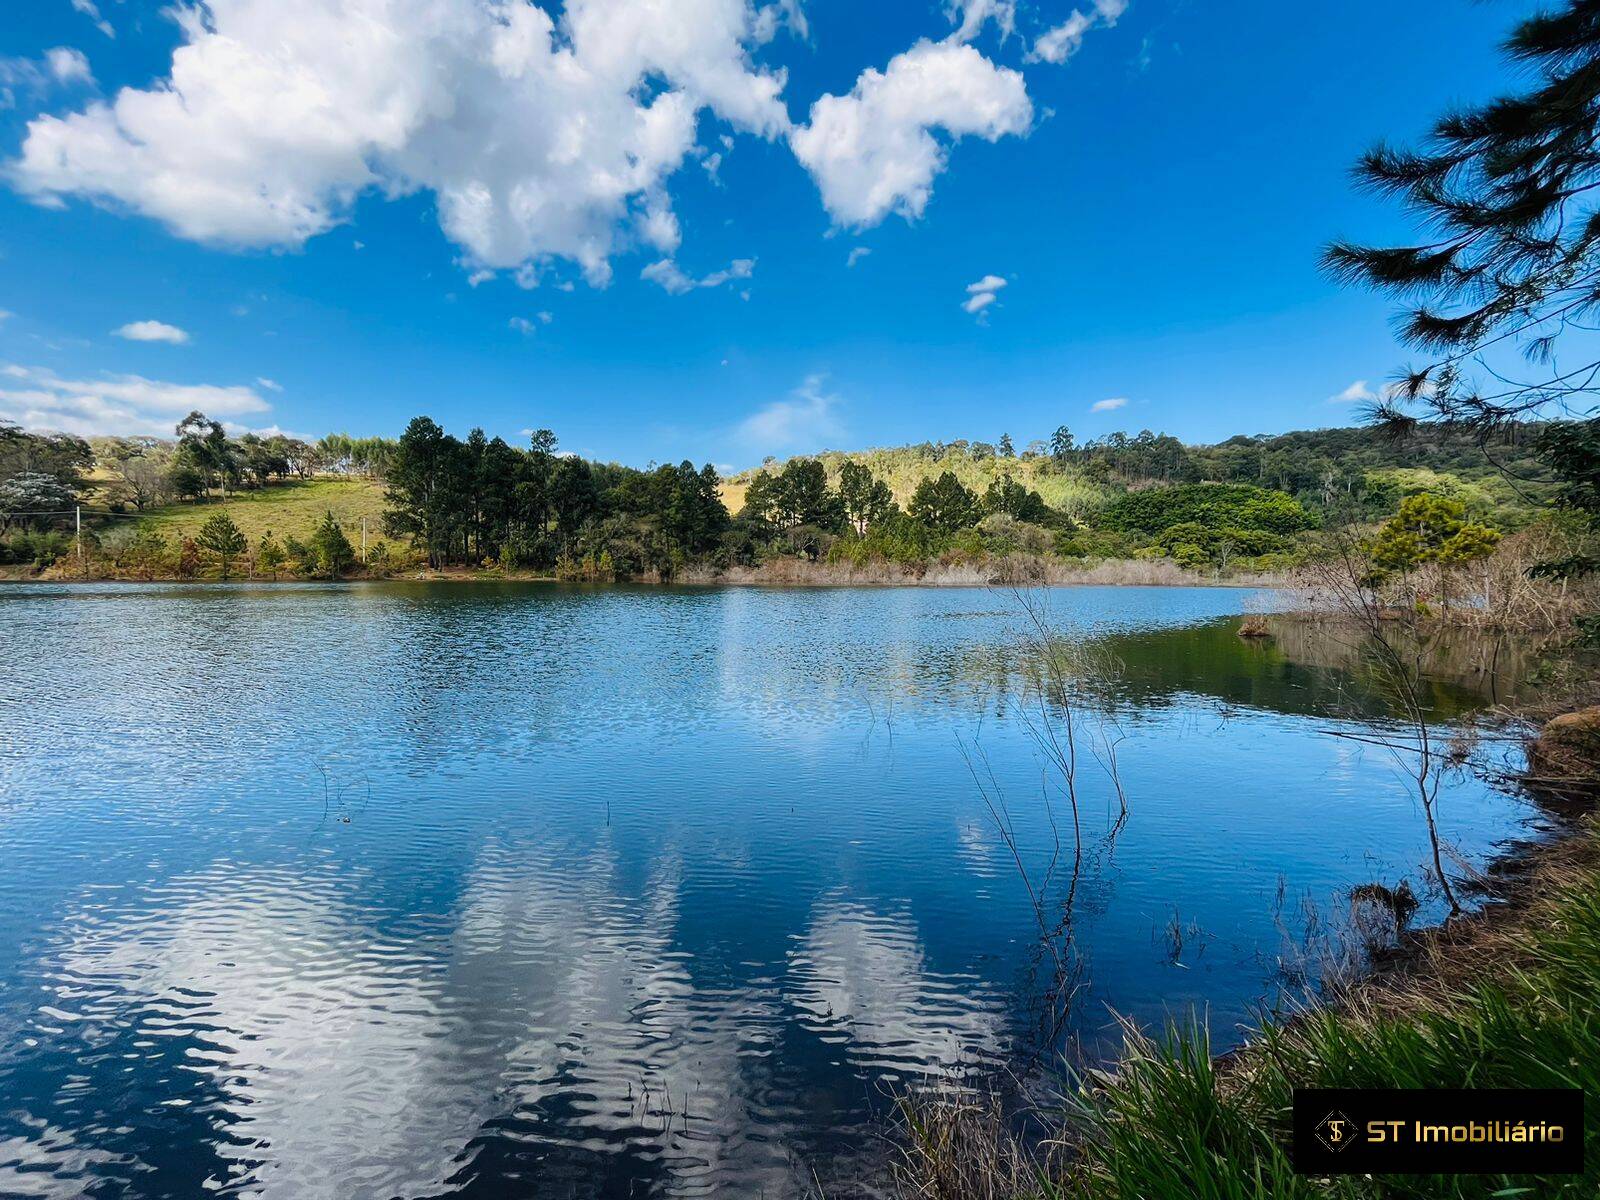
(945, 504)
(867, 500)
(223, 538)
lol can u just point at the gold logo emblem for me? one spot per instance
(1336, 1131)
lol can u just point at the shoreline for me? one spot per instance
(778, 573)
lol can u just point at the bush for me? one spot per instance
(1007, 535)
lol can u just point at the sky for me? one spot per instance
(707, 229)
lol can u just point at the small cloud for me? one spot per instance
(68, 65)
(807, 420)
(523, 326)
(1061, 43)
(478, 277)
(60, 67)
(671, 278)
(152, 331)
(89, 9)
(1357, 393)
(982, 294)
(1109, 405)
(5, 316)
(271, 385)
(856, 255)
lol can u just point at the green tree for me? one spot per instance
(1428, 530)
(220, 536)
(270, 555)
(329, 549)
(944, 505)
(1007, 450)
(1061, 445)
(866, 500)
(1010, 498)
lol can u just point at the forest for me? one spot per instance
(442, 502)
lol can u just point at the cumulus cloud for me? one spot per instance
(37, 398)
(806, 420)
(89, 9)
(873, 152)
(1109, 405)
(539, 140)
(668, 275)
(1357, 393)
(982, 294)
(856, 255)
(1061, 43)
(152, 331)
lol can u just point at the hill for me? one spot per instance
(1356, 473)
(292, 508)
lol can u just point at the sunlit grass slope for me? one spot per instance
(291, 509)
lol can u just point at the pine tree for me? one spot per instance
(223, 538)
(1509, 188)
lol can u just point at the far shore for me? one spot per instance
(1006, 572)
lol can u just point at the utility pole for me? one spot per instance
(77, 514)
(363, 539)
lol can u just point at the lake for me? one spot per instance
(510, 890)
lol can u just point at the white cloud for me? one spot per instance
(982, 294)
(1061, 43)
(872, 152)
(271, 385)
(857, 253)
(1357, 393)
(152, 331)
(668, 275)
(5, 315)
(539, 141)
(90, 10)
(807, 420)
(37, 398)
(971, 16)
(68, 65)
(60, 67)
(525, 326)
(1109, 405)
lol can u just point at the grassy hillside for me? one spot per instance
(287, 508)
(903, 467)
(1359, 470)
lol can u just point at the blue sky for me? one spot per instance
(1147, 212)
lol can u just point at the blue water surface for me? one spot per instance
(402, 890)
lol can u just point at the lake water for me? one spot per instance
(432, 890)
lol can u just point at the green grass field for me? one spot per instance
(287, 509)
